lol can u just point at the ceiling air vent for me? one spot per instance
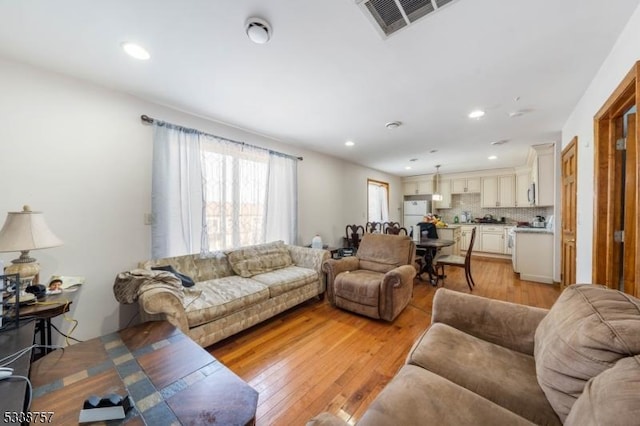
(389, 16)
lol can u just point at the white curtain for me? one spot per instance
(282, 200)
(176, 194)
(211, 194)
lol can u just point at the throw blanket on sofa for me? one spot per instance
(129, 285)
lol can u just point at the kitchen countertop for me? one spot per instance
(482, 224)
(533, 230)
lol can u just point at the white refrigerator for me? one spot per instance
(414, 212)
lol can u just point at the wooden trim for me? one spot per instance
(378, 183)
(630, 198)
(569, 213)
(621, 96)
(608, 212)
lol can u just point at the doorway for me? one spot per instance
(616, 189)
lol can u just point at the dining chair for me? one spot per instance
(458, 261)
(396, 229)
(372, 227)
(428, 230)
(354, 235)
(386, 225)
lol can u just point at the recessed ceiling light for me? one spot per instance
(393, 125)
(500, 142)
(513, 114)
(407, 167)
(476, 114)
(349, 143)
(258, 30)
(493, 157)
(135, 51)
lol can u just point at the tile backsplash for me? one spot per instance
(472, 203)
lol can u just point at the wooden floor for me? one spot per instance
(316, 358)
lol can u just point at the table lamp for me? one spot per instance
(24, 231)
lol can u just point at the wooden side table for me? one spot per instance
(44, 310)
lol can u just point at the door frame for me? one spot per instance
(608, 127)
(573, 145)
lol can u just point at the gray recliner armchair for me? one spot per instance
(378, 281)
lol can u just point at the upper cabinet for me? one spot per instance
(543, 174)
(465, 185)
(418, 186)
(498, 191)
(508, 187)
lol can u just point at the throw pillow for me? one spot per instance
(588, 330)
(258, 259)
(187, 281)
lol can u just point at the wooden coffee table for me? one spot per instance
(170, 378)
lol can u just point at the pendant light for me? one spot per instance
(436, 195)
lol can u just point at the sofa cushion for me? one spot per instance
(213, 299)
(286, 279)
(501, 375)
(361, 286)
(586, 331)
(382, 252)
(612, 397)
(258, 259)
(416, 397)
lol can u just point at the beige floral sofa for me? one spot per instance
(489, 362)
(233, 290)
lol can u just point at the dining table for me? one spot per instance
(431, 247)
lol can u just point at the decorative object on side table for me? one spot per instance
(24, 231)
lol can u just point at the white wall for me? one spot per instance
(624, 54)
(80, 153)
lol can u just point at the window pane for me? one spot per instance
(236, 185)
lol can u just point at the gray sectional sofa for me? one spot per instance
(488, 362)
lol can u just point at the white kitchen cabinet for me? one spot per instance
(492, 238)
(454, 234)
(417, 187)
(444, 188)
(465, 185)
(523, 180)
(465, 238)
(543, 174)
(498, 191)
(534, 251)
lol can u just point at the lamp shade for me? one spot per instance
(26, 230)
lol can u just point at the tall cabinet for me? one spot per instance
(543, 174)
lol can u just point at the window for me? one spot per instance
(235, 185)
(211, 193)
(378, 201)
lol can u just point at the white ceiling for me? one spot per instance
(327, 76)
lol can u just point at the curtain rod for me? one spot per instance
(151, 120)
